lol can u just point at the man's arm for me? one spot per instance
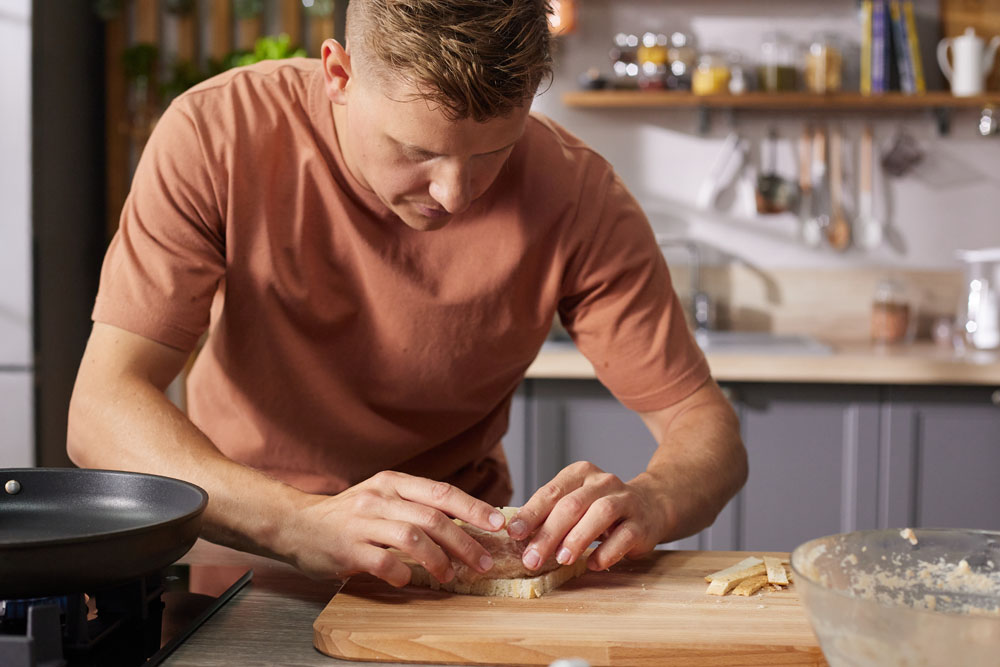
(699, 465)
(119, 418)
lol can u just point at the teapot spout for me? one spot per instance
(990, 55)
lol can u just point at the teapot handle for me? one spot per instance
(942, 56)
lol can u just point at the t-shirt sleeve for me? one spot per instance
(619, 305)
(165, 263)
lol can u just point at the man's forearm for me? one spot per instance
(129, 424)
(699, 465)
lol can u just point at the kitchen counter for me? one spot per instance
(848, 363)
(268, 622)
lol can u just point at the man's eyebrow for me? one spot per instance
(411, 148)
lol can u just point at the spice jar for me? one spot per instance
(779, 62)
(893, 318)
(624, 60)
(824, 69)
(711, 76)
(681, 59)
(652, 57)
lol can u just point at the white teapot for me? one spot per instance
(973, 60)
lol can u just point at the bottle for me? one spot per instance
(824, 70)
(779, 62)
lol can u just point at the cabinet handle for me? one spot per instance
(995, 397)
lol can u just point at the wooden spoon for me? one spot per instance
(868, 226)
(838, 233)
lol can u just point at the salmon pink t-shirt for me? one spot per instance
(342, 342)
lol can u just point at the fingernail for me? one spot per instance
(485, 563)
(531, 559)
(497, 520)
(516, 528)
(563, 556)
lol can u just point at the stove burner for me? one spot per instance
(120, 627)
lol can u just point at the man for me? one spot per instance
(377, 244)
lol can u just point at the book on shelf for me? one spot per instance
(890, 49)
(913, 46)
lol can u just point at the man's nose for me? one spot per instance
(451, 187)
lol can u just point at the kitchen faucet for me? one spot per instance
(701, 304)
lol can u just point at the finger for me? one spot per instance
(564, 516)
(413, 541)
(443, 496)
(627, 539)
(441, 532)
(382, 564)
(598, 523)
(534, 512)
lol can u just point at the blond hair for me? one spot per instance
(476, 59)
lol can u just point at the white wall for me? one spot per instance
(952, 202)
(16, 385)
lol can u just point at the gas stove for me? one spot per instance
(136, 623)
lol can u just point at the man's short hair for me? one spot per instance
(476, 59)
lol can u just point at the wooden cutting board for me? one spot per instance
(648, 612)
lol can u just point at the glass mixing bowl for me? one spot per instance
(903, 597)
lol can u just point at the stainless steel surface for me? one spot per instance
(701, 303)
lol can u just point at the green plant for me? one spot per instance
(140, 61)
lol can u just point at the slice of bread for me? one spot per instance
(508, 578)
(533, 587)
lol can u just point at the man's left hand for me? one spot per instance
(583, 504)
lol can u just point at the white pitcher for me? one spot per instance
(973, 60)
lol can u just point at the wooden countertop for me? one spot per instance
(849, 363)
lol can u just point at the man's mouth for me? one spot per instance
(431, 211)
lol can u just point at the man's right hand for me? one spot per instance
(337, 536)
(120, 419)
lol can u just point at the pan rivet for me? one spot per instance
(12, 487)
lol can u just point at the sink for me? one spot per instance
(759, 342)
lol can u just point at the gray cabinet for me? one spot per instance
(823, 458)
(813, 454)
(942, 452)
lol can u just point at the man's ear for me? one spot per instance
(336, 70)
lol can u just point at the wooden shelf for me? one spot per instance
(894, 101)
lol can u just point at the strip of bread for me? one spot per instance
(726, 580)
(751, 585)
(738, 569)
(775, 571)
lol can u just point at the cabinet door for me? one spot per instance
(942, 457)
(515, 447)
(813, 453)
(579, 420)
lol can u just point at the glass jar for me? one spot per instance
(711, 76)
(824, 68)
(893, 313)
(681, 60)
(624, 60)
(779, 64)
(652, 57)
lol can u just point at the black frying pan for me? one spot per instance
(78, 531)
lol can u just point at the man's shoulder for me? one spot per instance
(542, 132)
(269, 82)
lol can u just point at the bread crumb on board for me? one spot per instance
(750, 575)
(908, 535)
